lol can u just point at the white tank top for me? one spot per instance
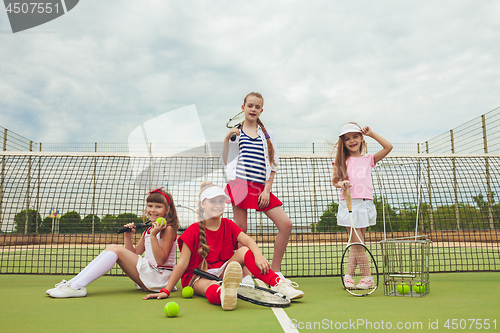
(148, 253)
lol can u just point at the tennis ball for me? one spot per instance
(161, 221)
(403, 289)
(419, 288)
(187, 292)
(171, 309)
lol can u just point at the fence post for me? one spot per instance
(38, 191)
(3, 174)
(93, 193)
(28, 191)
(315, 218)
(457, 215)
(487, 166)
(431, 214)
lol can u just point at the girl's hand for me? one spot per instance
(157, 296)
(367, 131)
(231, 131)
(264, 199)
(131, 226)
(344, 184)
(262, 264)
(157, 228)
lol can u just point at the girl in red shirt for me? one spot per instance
(212, 245)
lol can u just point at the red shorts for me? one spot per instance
(245, 195)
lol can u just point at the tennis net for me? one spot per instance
(59, 210)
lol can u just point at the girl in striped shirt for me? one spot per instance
(251, 162)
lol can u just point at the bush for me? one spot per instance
(33, 219)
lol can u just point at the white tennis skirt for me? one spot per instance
(219, 272)
(153, 278)
(364, 213)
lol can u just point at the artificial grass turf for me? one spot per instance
(113, 305)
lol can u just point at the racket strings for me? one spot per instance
(236, 120)
(359, 271)
(253, 294)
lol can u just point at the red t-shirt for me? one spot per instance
(222, 242)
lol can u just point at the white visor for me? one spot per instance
(349, 128)
(213, 192)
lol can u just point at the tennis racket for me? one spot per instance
(187, 216)
(358, 262)
(137, 227)
(253, 294)
(235, 122)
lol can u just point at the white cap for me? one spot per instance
(212, 192)
(349, 128)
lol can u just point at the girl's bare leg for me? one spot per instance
(284, 225)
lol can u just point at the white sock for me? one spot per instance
(98, 269)
(96, 259)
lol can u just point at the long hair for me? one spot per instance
(341, 154)
(171, 215)
(204, 249)
(270, 148)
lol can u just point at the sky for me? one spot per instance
(410, 70)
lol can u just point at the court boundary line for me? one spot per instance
(280, 314)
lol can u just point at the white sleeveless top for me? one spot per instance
(148, 253)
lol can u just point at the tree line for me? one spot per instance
(442, 217)
(72, 223)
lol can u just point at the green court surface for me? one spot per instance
(461, 301)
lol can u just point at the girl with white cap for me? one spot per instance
(352, 169)
(212, 245)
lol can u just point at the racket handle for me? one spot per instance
(348, 200)
(137, 227)
(233, 136)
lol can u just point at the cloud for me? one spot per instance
(409, 70)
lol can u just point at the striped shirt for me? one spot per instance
(251, 162)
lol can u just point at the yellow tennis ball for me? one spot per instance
(419, 288)
(403, 289)
(171, 309)
(187, 292)
(161, 221)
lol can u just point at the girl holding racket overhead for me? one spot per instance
(352, 169)
(251, 163)
(212, 246)
(158, 243)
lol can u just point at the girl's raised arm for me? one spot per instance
(139, 247)
(161, 252)
(386, 145)
(225, 148)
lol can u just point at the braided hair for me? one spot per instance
(204, 249)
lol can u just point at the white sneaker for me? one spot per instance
(290, 282)
(230, 283)
(65, 291)
(57, 286)
(366, 283)
(348, 282)
(248, 280)
(284, 288)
